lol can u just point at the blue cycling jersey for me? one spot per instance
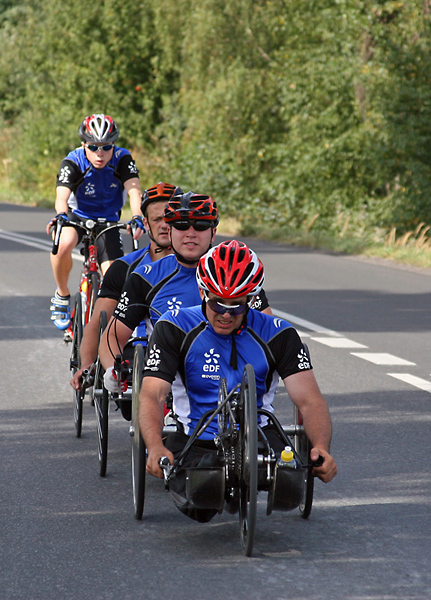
(154, 288)
(97, 193)
(184, 347)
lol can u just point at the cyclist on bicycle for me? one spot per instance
(152, 207)
(191, 349)
(168, 284)
(93, 182)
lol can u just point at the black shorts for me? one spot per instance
(109, 244)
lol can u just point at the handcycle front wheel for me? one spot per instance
(139, 455)
(101, 405)
(75, 362)
(248, 453)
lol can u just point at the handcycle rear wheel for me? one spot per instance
(139, 455)
(101, 405)
(75, 362)
(248, 451)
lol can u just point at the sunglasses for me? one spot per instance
(95, 148)
(197, 225)
(218, 307)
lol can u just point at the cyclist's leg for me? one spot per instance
(109, 247)
(201, 454)
(62, 262)
(61, 266)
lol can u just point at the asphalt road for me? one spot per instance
(67, 534)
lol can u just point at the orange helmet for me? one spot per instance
(161, 191)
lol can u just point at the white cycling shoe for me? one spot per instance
(60, 311)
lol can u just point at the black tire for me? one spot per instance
(248, 449)
(139, 455)
(303, 447)
(75, 362)
(101, 405)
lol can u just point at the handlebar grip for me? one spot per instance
(133, 228)
(318, 463)
(164, 462)
(56, 241)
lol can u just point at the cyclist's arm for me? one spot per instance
(61, 198)
(114, 338)
(305, 394)
(151, 401)
(90, 339)
(133, 189)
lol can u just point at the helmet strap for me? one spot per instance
(186, 261)
(158, 247)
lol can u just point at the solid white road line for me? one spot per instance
(27, 240)
(304, 323)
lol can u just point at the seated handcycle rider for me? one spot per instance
(151, 290)
(191, 349)
(93, 182)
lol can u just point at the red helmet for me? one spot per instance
(230, 270)
(191, 206)
(161, 191)
(99, 129)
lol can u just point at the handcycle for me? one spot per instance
(248, 463)
(103, 399)
(85, 298)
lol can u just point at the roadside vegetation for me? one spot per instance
(307, 121)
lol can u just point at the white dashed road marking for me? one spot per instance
(382, 358)
(418, 382)
(338, 342)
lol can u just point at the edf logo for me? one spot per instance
(211, 364)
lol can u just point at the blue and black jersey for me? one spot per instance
(185, 350)
(97, 193)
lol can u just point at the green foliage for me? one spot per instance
(296, 114)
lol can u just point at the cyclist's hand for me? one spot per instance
(111, 383)
(76, 380)
(53, 221)
(328, 469)
(153, 460)
(139, 226)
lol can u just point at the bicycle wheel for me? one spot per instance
(139, 455)
(101, 405)
(75, 363)
(248, 450)
(303, 447)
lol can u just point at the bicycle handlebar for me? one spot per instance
(88, 225)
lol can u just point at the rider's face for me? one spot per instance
(192, 244)
(100, 158)
(224, 323)
(154, 222)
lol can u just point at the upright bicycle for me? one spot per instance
(85, 298)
